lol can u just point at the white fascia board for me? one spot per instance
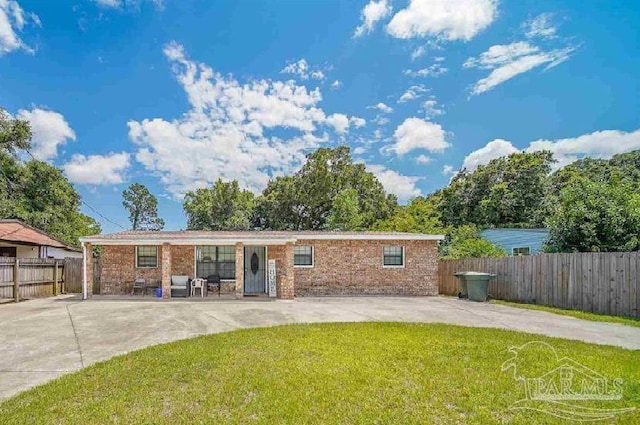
(191, 241)
(411, 237)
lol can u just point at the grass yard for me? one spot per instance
(360, 373)
(630, 321)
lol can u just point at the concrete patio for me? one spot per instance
(46, 338)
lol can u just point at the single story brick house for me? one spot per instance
(278, 263)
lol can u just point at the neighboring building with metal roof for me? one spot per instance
(517, 241)
(18, 239)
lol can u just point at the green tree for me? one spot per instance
(595, 216)
(142, 206)
(305, 200)
(465, 242)
(15, 134)
(506, 192)
(36, 192)
(224, 206)
(345, 213)
(421, 215)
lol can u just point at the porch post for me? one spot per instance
(286, 274)
(88, 264)
(239, 270)
(166, 270)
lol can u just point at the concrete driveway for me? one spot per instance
(43, 339)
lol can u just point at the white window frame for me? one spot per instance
(313, 258)
(147, 267)
(393, 266)
(520, 247)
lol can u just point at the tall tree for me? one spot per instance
(508, 191)
(224, 206)
(15, 134)
(306, 200)
(421, 215)
(593, 216)
(142, 206)
(345, 213)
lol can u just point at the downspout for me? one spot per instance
(84, 271)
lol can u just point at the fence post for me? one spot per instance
(55, 278)
(16, 281)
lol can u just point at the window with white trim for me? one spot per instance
(303, 256)
(146, 256)
(393, 256)
(523, 250)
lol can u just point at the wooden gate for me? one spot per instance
(73, 275)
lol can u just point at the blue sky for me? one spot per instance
(174, 94)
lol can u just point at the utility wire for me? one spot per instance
(81, 200)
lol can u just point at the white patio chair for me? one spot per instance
(198, 284)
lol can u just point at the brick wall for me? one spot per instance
(119, 268)
(340, 268)
(355, 268)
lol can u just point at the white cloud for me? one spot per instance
(404, 187)
(118, 4)
(508, 61)
(97, 169)
(50, 130)
(443, 19)
(423, 159)
(431, 109)
(382, 108)
(599, 144)
(336, 84)
(418, 52)
(434, 70)
(448, 170)
(232, 129)
(359, 150)
(540, 26)
(380, 120)
(12, 21)
(494, 149)
(373, 12)
(413, 92)
(302, 69)
(338, 121)
(357, 122)
(415, 133)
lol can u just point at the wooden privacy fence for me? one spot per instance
(606, 283)
(31, 278)
(73, 275)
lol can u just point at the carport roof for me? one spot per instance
(263, 236)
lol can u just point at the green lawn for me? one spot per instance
(364, 373)
(631, 321)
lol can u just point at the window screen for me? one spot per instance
(392, 256)
(220, 260)
(302, 255)
(147, 256)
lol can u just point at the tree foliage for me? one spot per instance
(327, 183)
(36, 192)
(142, 207)
(421, 215)
(15, 134)
(507, 192)
(224, 206)
(465, 242)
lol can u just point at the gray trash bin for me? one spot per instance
(478, 285)
(463, 284)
